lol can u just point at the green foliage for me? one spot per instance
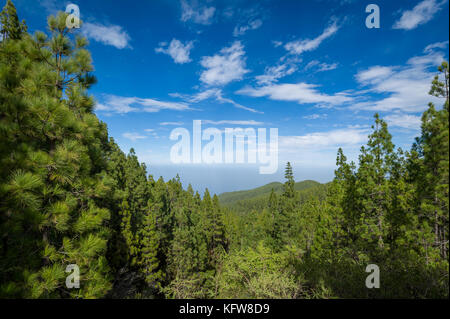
(69, 195)
(51, 215)
(258, 273)
(233, 199)
(11, 28)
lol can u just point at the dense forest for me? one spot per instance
(69, 195)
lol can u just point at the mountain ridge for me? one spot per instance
(229, 198)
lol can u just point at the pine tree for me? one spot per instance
(213, 226)
(290, 183)
(433, 151)
(56, 170)
(118, 253)
(286, 209)
(275, 224)
(149, 245)
(11, 28)
(372, 187)
(337, 231)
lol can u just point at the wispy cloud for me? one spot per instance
(274, 73)
(251, 25)
(438, 45)
(315, 116)
(112, 35)
(288, 64)
(192, 11)
(406, 121)
(406, 86)
(420, 14)
(133, 136)
(331, 139)
(122, 105)
(177, 50)
(374, 74)
(320, 67)
(299, 46)
(276, 44)
(151, 132)
(302, 93)
(215, 94)
(51, 7)
(318, 149)
(171, 123)
(232, 122)
(224, 67)
(222, 99)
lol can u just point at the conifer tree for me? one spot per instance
(149, 245)
(57, 169)
(275, 225)
(286, 208)
(372, 187)
(10, 27)
(340, 201)
(290, 183)
(433, 162)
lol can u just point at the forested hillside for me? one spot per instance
(232, 197)
(69, 195)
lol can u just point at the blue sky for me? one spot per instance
(312, 69)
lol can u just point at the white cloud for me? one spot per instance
(121, 105)
(315, 116)
(226, 66)
(319, 149)
(300, 46)
(228, 12)
(110, 35)
(327, 67)
(276, 44)
(252, 25)
(311, 64)
(386, 88)
(151, 132)
(406, 86)
(191, 10)
(171, 123)
(374, 74)
(332, 139)
(420, 14)
(321, 67)
(50, 6)
(227, 122)
(237, 105)
(406, 121)
(198, 97)
(177, 50)
(288, 64)
(302, 93)
(438, 45)
(216, 94)
(133, 136)
(273, 73)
